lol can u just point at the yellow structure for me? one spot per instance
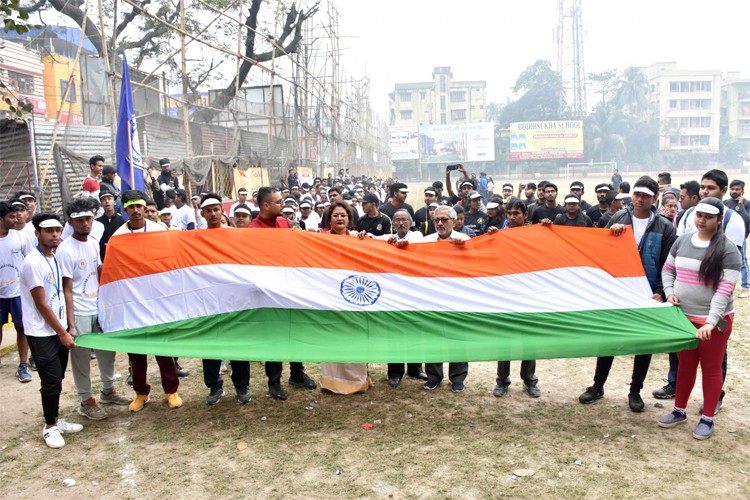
(57, 71)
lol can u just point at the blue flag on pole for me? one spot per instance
(127, 148)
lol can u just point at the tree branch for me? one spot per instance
(76, 14)
(129, 17)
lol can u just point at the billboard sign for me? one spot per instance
(404, 143)
(546, 140)
(457, 143)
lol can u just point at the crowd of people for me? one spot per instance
(691, 242)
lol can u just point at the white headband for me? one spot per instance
(85, 213)
(49, 223)
(210, 201)
(165, 211)
(707, 208)
(572, 199)
(644, 190)
(242, 210)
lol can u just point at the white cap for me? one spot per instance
(210, 201)
(434, 204)
(49, 223)
(475, 196)
(706, 208)
(492, 204)
(621, 196)
(242, 210)
(165, 211)
(572, 199)
(85, 213)
(644, 190)
(287, 210)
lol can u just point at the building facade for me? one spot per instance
(688, 106)
(735, 109)
(442, 101)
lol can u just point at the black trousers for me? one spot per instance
(212, 374)
(640, 370)
(457, 372)
(397, 369)
(528, 370)
(273, 371)
(51, 362)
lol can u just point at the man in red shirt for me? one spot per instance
(91, 183)
(270, 204)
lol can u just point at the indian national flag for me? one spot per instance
(278, 295)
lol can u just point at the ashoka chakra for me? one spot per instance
(360, 290)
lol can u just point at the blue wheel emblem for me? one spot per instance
(360, 290)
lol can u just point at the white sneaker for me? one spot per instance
(68, 427)
(52, 437)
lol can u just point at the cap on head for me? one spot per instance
(710, 205)
(164, 162)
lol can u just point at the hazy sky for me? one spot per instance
(494, 40)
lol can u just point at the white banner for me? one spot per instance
(457, 143)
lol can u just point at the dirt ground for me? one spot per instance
(423, 444)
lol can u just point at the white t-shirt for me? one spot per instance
(79, 261)
(639, 228)
(411, 237)
(734, 230)
(40, 271)
(183, 216)
(434, 237)
(97, 231)
(312, 223)
(200, 222)
(29, 234)
(149, 227)
(13, 248)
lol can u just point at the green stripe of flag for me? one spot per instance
(407, 336)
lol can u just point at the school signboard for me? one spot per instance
(546, 140)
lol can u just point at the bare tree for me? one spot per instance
(287, 43)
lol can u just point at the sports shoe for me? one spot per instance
(181, 372)
(92, 354)
(66, 427)
(52, 437)
(532, 390)
(745, 293)
(174, 400)
(394, 381)
(672, 419)
(419, 376)
(500, 391)
(23, 373)
(114, 398)
(718, 408)
(302, 380)
(592, 394)
(32, 364)
(635, 401)
(276, 392)
(243, 395)
(457, 386)
(666, 392)
(214, 395)
(223, 367)
(139, 402)
(431, 385)
(704, 430)
(90, 409)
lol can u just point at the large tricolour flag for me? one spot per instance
(127, 148)
(270, 294)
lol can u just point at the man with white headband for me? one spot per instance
(398, 192)
(200, 222)
(422, 215)
(134, 203)
(243, 216)
(13, 248)
(45, 323)
(573, 215)
(654, 237)
(308, 218)
(80, 262)
(212, 211)
(241, 200)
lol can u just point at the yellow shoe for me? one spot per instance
(174, 400)
(138, 403)
(743, 294)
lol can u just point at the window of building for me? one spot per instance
(404, 96)
(458, 114)
(698, 140)
(442, 118)
(422, 96)
(674, 86)
(442, 103)
(673, 104)
(458, 96)
(20, 82)
(406, 115)
(71, 94)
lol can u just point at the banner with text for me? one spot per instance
(404, 143)
(546, 140)
(457, 143)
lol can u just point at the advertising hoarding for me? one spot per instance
(404, 143)
(544, 140)
(457, 143)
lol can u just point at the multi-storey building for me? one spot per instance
(688, 106)
(735, 109)
(442, 101)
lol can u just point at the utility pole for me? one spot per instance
(185, 101)
(570, 55)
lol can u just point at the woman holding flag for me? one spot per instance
(699, 276)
